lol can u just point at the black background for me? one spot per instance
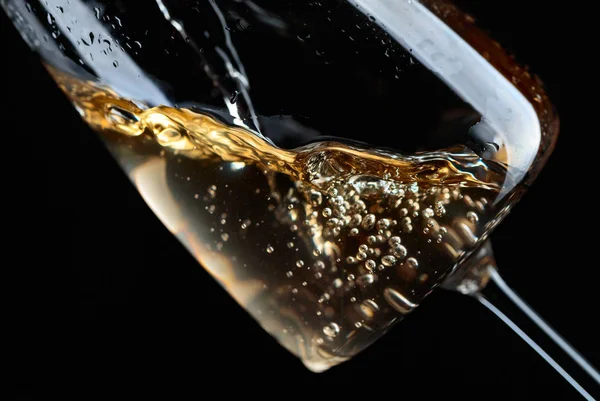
(104, 303)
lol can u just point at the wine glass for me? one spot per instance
(329, 163)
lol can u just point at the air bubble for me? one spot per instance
(399, 251)
(299, 263)
(355, 220)
(270, 249)
(327, 212)
(225, 237)
(368, 222)
(367, 309)
(472, 216)
(440, 210)
(398, 301)
(370, 264)
(316, 198)
(412, 263)
(394, 241)
(333, 222)
(388, 260)
(383, 224)
(331, 330)
(366, 279)
(337, 283)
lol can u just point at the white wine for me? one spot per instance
(326, 245)
(238, 121)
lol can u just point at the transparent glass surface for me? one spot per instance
(329, 163)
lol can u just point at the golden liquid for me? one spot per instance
(326, 245)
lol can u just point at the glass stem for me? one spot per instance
(497, 292)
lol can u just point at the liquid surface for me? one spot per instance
(326, 245)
